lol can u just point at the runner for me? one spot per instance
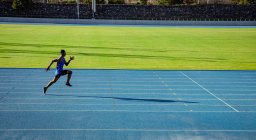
(59, 70)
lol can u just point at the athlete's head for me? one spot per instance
(63, 53)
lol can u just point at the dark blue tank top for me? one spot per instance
(60, 65)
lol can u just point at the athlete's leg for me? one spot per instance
(69, 72)
(54, 80)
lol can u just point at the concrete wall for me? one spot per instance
(127, 22)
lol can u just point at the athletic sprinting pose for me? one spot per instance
(59, 70)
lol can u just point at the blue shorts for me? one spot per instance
(58, 74)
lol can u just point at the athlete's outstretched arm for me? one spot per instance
(71, 58)
(54, 60)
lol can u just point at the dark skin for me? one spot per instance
(69, 72)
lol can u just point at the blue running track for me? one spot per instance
(128, 104)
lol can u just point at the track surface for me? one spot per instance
(128, 104)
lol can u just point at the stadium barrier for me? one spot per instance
(126, 22)
(136, 12)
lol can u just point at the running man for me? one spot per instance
(59, 70)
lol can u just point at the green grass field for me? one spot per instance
(33, 46)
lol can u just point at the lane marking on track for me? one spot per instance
(115, 73)
(167, 86)
(3, 85)
(133, 93)
(108, 98)
(86, 104)
(128, 111)
(129, 89)
(142, 130)
(118, 98)
(128, 79)
(136, 81)
(125, 78)
(210, 92)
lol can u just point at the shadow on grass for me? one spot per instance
(126, 99)
(122, 55)
(88, 47)
(116, 55)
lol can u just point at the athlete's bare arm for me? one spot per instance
(71, 58)
(53, 61)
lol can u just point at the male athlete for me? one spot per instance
(59, 69)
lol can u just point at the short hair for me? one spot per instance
(62, 51)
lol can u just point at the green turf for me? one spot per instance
(33, 46)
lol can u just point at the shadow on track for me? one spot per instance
(126, 99)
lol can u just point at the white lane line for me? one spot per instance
(98, 98)
(127, 111)
(125, 78)
(163, 82)
(92, 84)
(120, 98)
(94, 81)
(136, 85)
(93, 93)
(136, 81)
(3, 74)
(126, 75)
(151, 89)
(133, 93)
(118, 72)
(127, 93)
(86, 104)
(209, 92)
(129, 89)
(142, 130)
(227, 74)
(97, 88)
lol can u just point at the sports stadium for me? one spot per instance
(127, 69)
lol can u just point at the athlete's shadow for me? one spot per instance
(125, 98)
